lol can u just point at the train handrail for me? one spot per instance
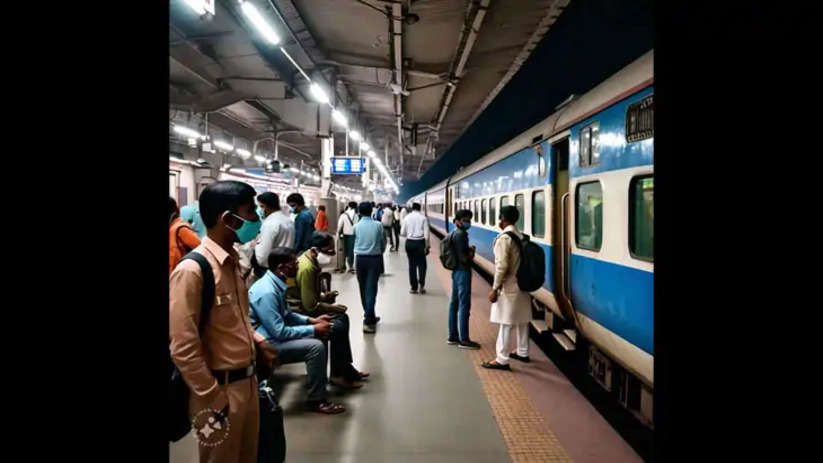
(566, 251)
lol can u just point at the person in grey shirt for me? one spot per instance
(277, 230)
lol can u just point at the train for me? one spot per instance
(583, 181)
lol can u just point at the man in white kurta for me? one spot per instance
(511, 307)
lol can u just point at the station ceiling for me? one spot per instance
(454, 57)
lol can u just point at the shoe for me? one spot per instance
(376, 320)
(513, 355)
(325, 407)
(369, 329)
(412, 291)
(468, 345)
(495, 366)
(351, 270)
(344, 383)
(422, 290)
(452, 342)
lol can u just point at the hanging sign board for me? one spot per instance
(347, 165)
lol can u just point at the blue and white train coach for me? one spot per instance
(583, 181)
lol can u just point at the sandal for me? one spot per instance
(326, 407)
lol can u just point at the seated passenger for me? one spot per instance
(311, 299)
(296, 337)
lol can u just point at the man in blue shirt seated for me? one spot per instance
(303, 222)
(297, 338)
(369, 245)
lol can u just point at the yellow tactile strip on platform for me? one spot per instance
(527, 436)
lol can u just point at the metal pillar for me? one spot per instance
(326, 153)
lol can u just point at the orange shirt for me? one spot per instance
(181, 236)
(322, 222)
(228, 338)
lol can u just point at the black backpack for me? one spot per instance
(178, 399)
(448, 257)
(532, 270)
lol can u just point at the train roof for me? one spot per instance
(632, 78)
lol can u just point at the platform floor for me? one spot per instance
(427, 401)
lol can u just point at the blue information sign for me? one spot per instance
(347, 165)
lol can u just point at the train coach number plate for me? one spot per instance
(600, 368)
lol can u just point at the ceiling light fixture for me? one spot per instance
(339, 117)
(257, 20)
(355, 135)
(223, 145)
(191, 133)
(318, 93)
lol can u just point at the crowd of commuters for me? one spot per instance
(273, 303)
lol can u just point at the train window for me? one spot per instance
(589, 151)
(541, 160)
(641, 218)
(492, 212)
(518, 203)
(476, 212)
(588, 230)
(539, 214)
(504, 201)
(455, 209)
(640, 120)
(483, 211)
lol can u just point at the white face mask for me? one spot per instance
(323, 259)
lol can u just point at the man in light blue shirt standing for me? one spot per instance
(369, 245)
(296, 337)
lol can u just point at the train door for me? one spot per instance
(560, 224)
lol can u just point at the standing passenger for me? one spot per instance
(396, 226)
(415, 228)
(182, 238)
(460, 303)
(511, 307)
(277, 231)
(387, 218)
(322, 222)
(218, 365)
(369, 246)
(345, 227)
(303, 222)
(191, 214)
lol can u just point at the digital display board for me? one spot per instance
(348, 165)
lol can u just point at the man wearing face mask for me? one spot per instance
(297, 338)
(460, 303)
(277, 231)
(303, 222)
(218, 364)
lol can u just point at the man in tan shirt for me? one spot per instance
(219, 367)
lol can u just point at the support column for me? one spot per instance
(326, 153)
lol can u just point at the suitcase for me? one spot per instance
(271, 446)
